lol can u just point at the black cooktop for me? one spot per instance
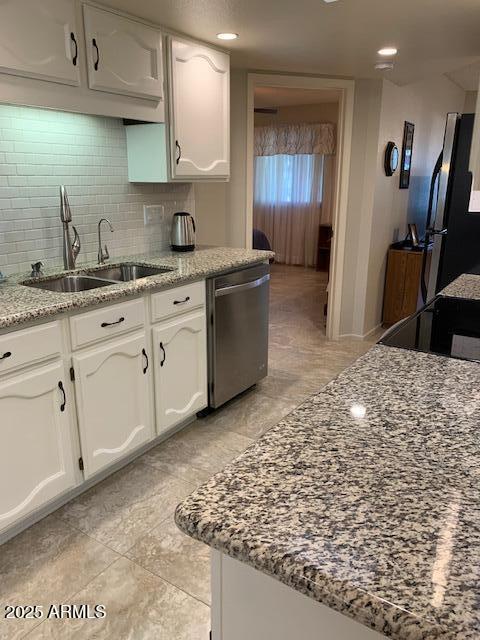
(447, 326)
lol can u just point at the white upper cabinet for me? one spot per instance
(113, 401)
(180, 348)
(36, 451)
(39, 39)
(123, 56)
(199, 111)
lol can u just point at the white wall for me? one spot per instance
(426, 104)
(42, 149)
(378, 211)
(236, 189)
(470, 102)
(211, 212)
(363, 167)
(322, 112)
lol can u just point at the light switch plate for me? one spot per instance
(153, 213)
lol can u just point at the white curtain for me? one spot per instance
(288, 208)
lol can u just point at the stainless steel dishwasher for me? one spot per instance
(237, 332)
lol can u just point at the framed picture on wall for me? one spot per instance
(407, 149)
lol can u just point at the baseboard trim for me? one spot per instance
(356, 336)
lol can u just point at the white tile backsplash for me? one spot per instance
(42, 149)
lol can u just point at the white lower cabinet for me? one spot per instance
(180, 357)
(109, 389)
(36, 454)
(113, 400)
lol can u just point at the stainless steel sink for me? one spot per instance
(69, 284)
(102, 277)
(127, 271)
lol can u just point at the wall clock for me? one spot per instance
(391, 159)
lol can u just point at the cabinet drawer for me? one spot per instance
(107, 322)
(174, 301)
(27, 346)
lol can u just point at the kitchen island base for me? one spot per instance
(249, 604)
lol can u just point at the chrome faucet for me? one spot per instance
(103, 254)
(70, 249)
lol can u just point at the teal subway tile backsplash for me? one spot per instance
(42, 149)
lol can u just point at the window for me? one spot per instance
(289, 179)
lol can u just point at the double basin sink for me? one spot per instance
(92, 279)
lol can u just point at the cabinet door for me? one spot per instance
(113, 401)
(180, 348)
(200, 111)
(124, 56)
(36, 455)
(39, 39)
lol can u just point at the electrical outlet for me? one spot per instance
(153, 213)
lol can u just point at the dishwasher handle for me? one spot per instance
(236, 288)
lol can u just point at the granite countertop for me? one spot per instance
(365, 498)
(19, 303)
(465, 286)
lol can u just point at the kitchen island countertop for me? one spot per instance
(465, 286)
(365, 498)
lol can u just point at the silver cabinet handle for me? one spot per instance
(242, 287)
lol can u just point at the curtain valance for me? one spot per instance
(294, 139)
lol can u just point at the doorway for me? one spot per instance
(291, 195)
(293, 192)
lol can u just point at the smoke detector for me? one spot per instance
(384, 66)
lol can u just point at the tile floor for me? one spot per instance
(117, 544)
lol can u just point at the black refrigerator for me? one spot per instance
(452, 232)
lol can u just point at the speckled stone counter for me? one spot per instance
(19, 304)
(465, 286)
(365, 498)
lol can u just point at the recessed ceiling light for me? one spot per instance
(329, 0)
(388, 51)
(227, 36)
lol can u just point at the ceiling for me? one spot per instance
(467, 77)
(284, 97)
(338, 38)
